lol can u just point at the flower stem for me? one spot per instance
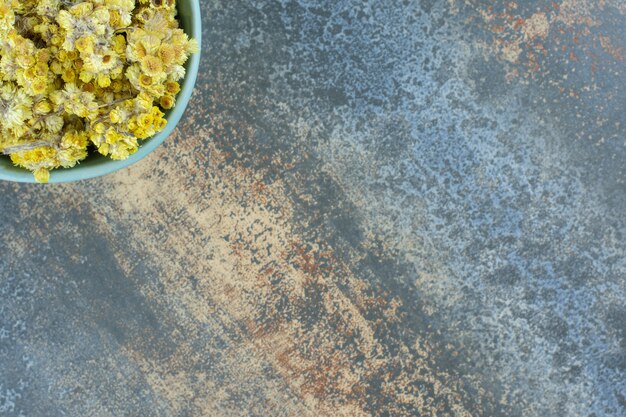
(27, 147)
(113, 103)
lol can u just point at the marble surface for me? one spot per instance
(370, 208)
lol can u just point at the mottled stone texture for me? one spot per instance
(371, 208)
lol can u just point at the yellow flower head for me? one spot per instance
(42, 175)
(118, 44)
(152, 65)
(85, 44)
(42, 107)
(145, 80)
(33, 159)
(7, 19)
(167, 54)
(15, 106)
(104, 80)
(41, 69)
(172, 87)
(69, 75)
(167, 102)
(39, 86)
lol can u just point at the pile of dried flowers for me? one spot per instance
(80, 73)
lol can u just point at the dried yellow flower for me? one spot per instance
(167, 102)
(75, 74)
(172, 87)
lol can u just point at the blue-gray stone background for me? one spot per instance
(371, 208)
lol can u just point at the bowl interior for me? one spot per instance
(96, 165)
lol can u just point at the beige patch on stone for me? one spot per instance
(537, 26)
(579, 12)
(511, 52)
(240, 277)
(616, 52)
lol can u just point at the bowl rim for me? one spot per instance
(103, 165)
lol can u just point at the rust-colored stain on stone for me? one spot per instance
(535, 39)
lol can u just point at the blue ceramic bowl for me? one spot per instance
(96, 165)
